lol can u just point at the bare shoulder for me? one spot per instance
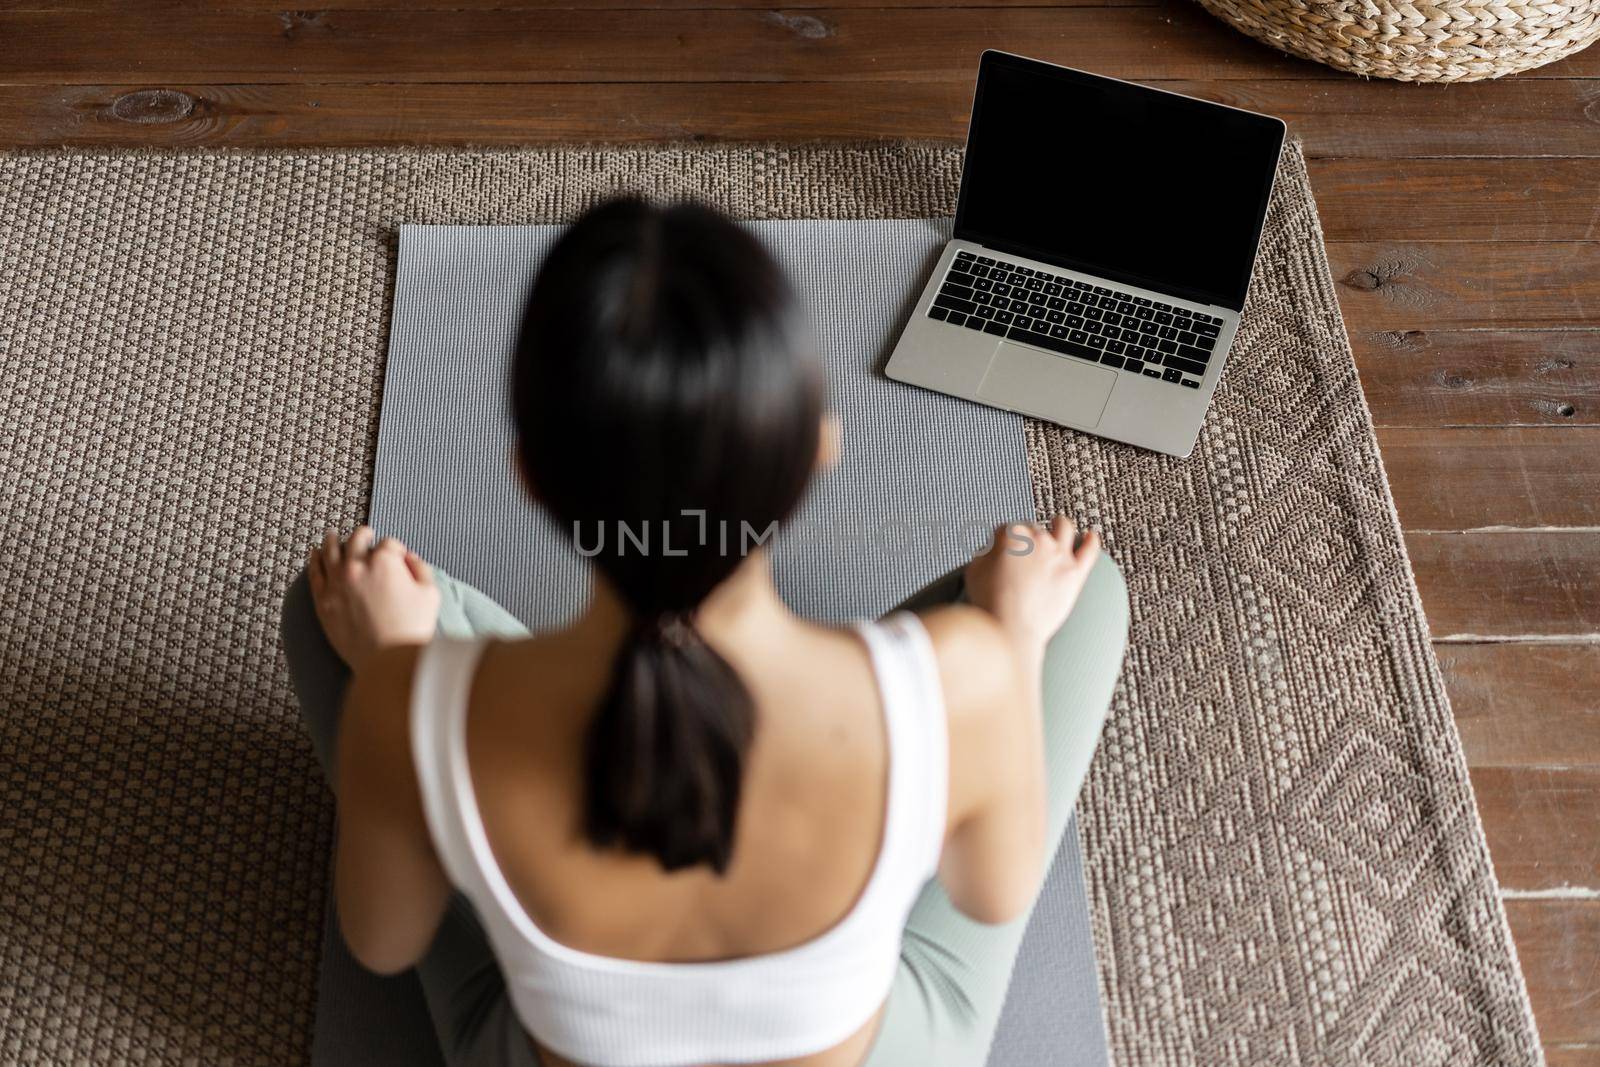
(977, 665)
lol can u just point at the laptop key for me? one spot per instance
(981, 297)
(1133, 365)
(1144, 313)
(1111, 360)
(1191, 383)
(956, 319)
(1075, 308)
(985, 311)
(1148, 373)
(1116, 348)
(995, 327)
(1125, 307)
(1171, 374)
(1075, 322)
(951, 303)
(1054, 316)
(1193, 355)
(1078, 337)
(986, 261)
(1019, 306)
(1164, 318)
(960, 292)
(1096, 341)
(1022, 322)
(1036, 298)
(1052, 289)
(1167, 346)
(1003, 317)
(937, 312)
(1189, 365)
(965, 255)
(974, 323)
(1209, 329)
(1058, 331)
(1055, 303)
(1185, 337)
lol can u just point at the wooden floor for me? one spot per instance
(1463, 226)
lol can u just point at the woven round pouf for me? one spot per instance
(1443, 41)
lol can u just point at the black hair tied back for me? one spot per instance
(667, 399)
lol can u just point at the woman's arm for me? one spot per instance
(390, 889)
(991, 661)
(378, 604)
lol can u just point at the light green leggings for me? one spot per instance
(953, 972)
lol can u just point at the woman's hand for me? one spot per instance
(1030, 577)
(370, 597)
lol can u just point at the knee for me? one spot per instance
(1112, 589)
(1102, 605)
(298, 618)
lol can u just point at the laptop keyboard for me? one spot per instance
(1133, 334)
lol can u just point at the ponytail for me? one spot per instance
(671, 346)
(664, 757)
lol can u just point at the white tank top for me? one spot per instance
(609, 1012)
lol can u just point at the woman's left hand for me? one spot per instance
(371, 596)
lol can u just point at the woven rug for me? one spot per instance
(1283, 854)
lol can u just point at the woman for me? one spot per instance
(691, 827)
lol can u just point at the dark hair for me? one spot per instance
(665, 383)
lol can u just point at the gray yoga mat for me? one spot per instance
(922, 479)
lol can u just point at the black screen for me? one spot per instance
(1134, 184)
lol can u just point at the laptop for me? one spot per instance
(1103, 245)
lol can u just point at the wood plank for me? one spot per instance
(1558, 944)
(1399, 286)
(1397, 120)
(1458, 199)
(1480, 377)
(277, 116)
(1475, 478)
(1540, 823)
(179, 7)
(1525, 704)
(223, 46)
(1343, 117)
(1568, 1055)
(1507, 585)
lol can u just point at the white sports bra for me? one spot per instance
(611, 1012)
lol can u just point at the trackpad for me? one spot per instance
(1057, 388)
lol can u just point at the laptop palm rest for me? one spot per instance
(1057, 388)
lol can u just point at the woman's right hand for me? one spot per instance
(1030, 577)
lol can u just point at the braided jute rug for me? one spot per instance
(1284, 857)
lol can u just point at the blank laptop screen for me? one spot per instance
(1117, 180)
